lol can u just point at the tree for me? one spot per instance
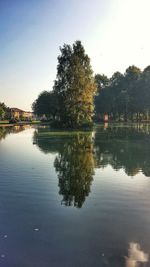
(46, 104)
(3, 110)
(124, 96)
(131, 86)
(74, 86)
(102, 81)
(145, 95)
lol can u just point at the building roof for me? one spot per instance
(16, 110)
(19, 110)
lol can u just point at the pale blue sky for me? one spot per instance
(115, 34)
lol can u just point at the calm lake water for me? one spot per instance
(75, 199)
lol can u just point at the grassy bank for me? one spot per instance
(61, 133)
(4, 122)
(7, 123)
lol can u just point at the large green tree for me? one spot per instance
(74, 86)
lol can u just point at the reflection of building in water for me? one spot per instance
(136, 257)
(20, 128)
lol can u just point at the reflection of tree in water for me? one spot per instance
(3, 133)
(5, 130)
(74, 163)
(124, 147)
(120, 147)
(75, 168)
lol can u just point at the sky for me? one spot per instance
(115, 34)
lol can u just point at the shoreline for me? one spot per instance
(100, 123)
(20, 124)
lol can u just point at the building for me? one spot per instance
(21, 114)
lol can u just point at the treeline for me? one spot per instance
(124, 97)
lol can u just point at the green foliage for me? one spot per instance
(71, 103)
(125, 97)
(74, 86)
(46, 104)
(3, 111)
(102, 81)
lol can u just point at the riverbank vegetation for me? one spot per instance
(78, 98)
(124, 97)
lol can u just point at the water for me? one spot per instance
(75, 199)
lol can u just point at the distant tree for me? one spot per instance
(125, 96)
(133, 92)
(106, 100)
(144, 89)
(74, 86)
(46, 104)
(102, 81)
(3, 111)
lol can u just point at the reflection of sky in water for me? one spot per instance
(136, 256)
